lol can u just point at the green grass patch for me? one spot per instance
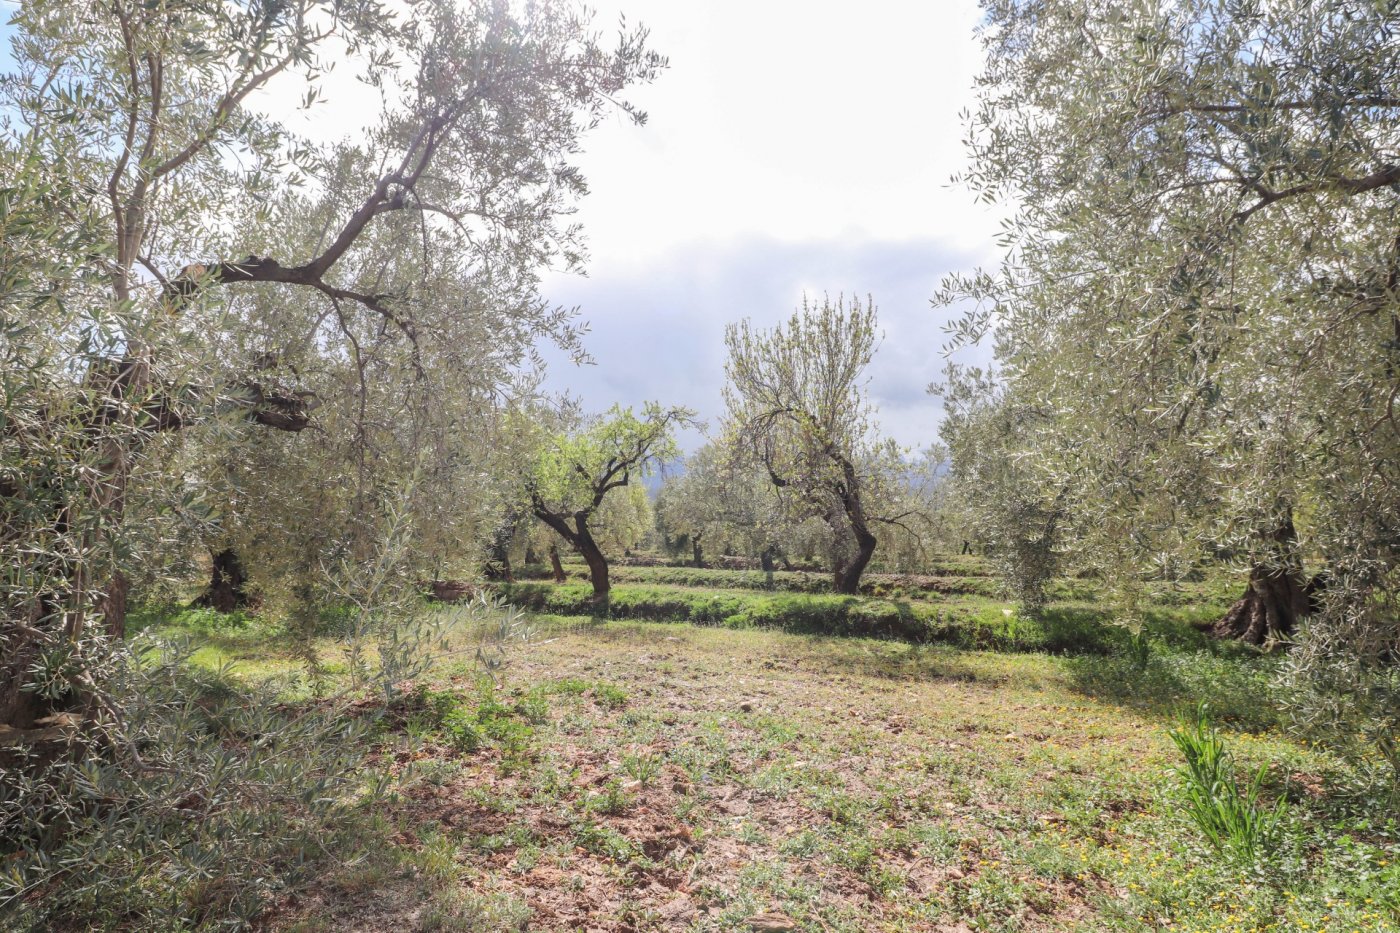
(968, 623)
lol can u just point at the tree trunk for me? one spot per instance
(114, 605)
(227, 589)
(530, 556)
(1273, 602)
(19, 707)
(597, 567)
(696, 551)
(498, 568)
(848, 493)
(1275, 597)
(581, 539)
(498, 565)
(848, 577)
(554, 562)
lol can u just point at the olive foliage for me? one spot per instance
(1199, 301)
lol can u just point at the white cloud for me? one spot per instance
(793, 147)
(793, 120)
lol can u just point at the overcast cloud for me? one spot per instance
(793, 147)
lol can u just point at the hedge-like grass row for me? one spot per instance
(886, 586)
(1076, 630)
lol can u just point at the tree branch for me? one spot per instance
(1385, 175)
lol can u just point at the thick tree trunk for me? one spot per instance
(765, 560)
(597, 567)
(848, 577)
(498, 567)
(555, 564)
(696, 551)
(1275, 597)
(228, 581)
(849, 495)
(1273, 602)
(19, 707)
(581, 539)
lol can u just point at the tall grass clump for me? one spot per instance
(1233, 819)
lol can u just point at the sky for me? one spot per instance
(794, 147)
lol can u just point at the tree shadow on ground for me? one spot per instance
(1238, 685)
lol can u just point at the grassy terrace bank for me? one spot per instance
(963, 620)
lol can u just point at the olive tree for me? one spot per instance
(575, 473)
(1201, 291)
(796, 398)
(198, 224)
(725, 500)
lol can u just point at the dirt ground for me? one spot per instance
(687, 778)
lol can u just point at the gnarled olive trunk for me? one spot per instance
(228, 580)
(1276, 596)
(555, 564)
(1274, 600)
(696, 551)
(498, 565)
(847, 576)
(580, 538)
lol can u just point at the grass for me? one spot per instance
(638, 775)
(963, 621)
(1226, 810)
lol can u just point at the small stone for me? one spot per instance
(746, 706)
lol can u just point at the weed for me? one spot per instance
(605, 841)
(609, 697)
(534, 708)
(460, 728)
(569, 686)
(1233, 820)
(611, 801)
(454, 910)
(642, 766)
(1140, 650)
